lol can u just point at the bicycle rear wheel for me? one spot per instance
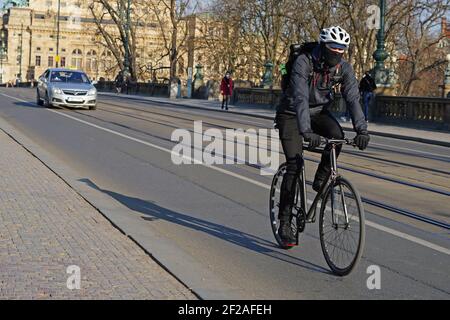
(342, 236)
(298, 218)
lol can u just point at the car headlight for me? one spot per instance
(57, 90)
(92, 92)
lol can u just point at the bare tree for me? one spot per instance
(418, 42)
(172, 18)
(117, 36)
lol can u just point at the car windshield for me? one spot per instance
(68, 77)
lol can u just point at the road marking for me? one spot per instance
(238, 176)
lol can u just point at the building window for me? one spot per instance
(63, 62)
(50, 61)
(77, 59)
(38, 49)
(91, 60)
(77, 63)
(51, 49)
(63, 50)
(77, 52)
(38, 61)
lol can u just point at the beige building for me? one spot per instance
(29, 40)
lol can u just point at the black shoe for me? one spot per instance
(286, 234)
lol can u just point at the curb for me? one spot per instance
(200, 281)
(267, 117)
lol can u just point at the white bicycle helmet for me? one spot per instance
(335, 36)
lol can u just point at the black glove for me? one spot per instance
(362, 140)
(313, 139)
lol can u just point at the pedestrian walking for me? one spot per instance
(118, 81)
(226, 88)
(366, 88)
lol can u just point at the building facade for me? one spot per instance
(30, 44)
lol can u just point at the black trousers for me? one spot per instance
(322, 123)
(225, 101)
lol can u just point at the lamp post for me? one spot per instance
(2, 54)
(20, 53)
(382, 75)
(267, 80)
(126, 63)
(57, 34)
(446, 87)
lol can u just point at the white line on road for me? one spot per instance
(238, 176)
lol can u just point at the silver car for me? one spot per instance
(66, 88)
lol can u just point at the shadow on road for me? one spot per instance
(248, 241)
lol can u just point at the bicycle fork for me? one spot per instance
(334, 172)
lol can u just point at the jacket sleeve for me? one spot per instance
(351, 96)
(299, 85)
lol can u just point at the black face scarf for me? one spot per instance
(331, 58)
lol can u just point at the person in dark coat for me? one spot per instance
(366, 87)
(226, 88)
(119, 82)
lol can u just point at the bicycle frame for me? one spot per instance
(328, 183)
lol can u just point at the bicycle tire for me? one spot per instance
(342, 270)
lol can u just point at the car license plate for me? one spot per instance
(74, 100)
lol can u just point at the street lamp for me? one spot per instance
(382, 75)
(57, 34)
(2, 54)
(446, 86)
(126, 63)
(20, 53)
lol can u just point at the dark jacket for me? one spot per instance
(367, 84)
(119, 80)
(308, 89)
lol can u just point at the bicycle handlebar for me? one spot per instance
(346, 141)
(326, 141)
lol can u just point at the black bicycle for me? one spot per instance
(341, 221)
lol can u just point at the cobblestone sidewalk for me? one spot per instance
(45, 227)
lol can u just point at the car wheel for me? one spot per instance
(38, 99)
(92, 107)
(47, 103)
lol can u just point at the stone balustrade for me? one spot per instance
(420, 112)
(149, 89)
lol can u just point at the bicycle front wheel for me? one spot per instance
(342, 227)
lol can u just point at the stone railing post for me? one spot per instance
(447, 114)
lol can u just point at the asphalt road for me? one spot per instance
(217, 218)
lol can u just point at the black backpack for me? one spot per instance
(295, 50)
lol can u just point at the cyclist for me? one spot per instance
(303, 114)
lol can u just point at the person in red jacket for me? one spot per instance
(226, 88)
